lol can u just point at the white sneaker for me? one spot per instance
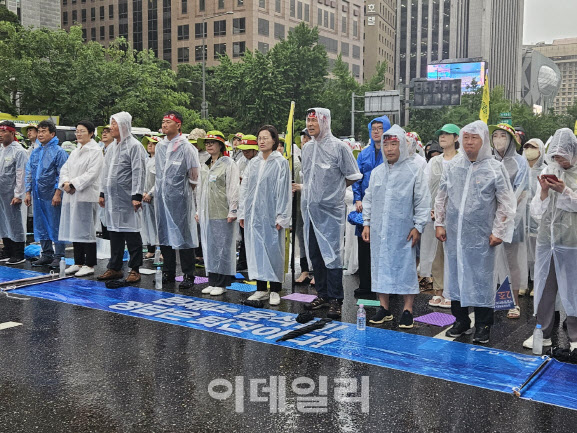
(207, 290)
(274, 298)
(72, 270)
(84, 271)
(259, 295)
(528, 343)
(217, 291)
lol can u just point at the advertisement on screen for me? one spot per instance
(466, 72)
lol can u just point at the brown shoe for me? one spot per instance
(110, 274)
(133, 277)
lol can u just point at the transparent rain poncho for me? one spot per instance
(177, 170)
(512, 257)
(80, 210)
(557, 235)
(123, 178)
(532, 223)
(327, 163)
(475, 200)
(13, 160)
(149, 230)
(265, 201)
(42, 174)
(412, 147)
(396, 201)
(217, 201)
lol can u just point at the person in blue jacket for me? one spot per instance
(42, 175)
(370, 157)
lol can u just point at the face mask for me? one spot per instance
(531, 153)
(501, 144)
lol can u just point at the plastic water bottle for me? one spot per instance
(62, 267)
(538, 340)
(157, 256)
(361, 318)
(158, 279)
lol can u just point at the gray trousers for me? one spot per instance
(546, 307)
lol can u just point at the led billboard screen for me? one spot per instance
(466, 72)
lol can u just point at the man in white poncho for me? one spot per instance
(474, 212)
(329, 167)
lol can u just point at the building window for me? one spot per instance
(137, 42)
(356, 52)
(277, 6)
(111, 32)
(92, 14)
(102, 33)
(356, 71)
(278, 31)
(332, 21)
(262, 4)
(123, 30)
(83, 14)
(74, 17)
(111, 11)
(329, 43)
(183, 56)
(238, 49)
(153, 26)
(198, 53)
(183, 32)
(344, 25)
(345, 49)
(184, 7)
(263, 27)
(355, 30)
(64, 18)
(102, 14)
(300, 10)
(307, 13)
(319, 17)
(263, 47)
(221, 4)
(83, 34)
(292, 8)
(238, 26)
(219, 50)
(220, 28)
(123, 10)
(201, 6)
(240, 2)
(93, 34)
(199, 33)
(167, 30)
(64, 2)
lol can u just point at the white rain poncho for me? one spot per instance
(80, 210)
(177, 170)
(149, 230)
(396, 201)
(217, 201)
(265, 201)
(13, 160)
(512, 257)
(532, 223)
(412, 147)
(557, 236)
(327, 163)
(475, 200)
(123, 178)
(351, 255)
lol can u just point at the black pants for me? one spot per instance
(13, 249)
(242, 252)
(133, 242)
(328, 282)
(85, 253)
(304, 264)
(364, 254)
(187, 260)
(275, 286)
(219, 280)
(483, 315)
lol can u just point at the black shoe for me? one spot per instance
(4, 256)
(54, 264)
(15, 260)
(187, 283)
(482, 334)
(317, 303)
(383, 315)
(406, 320)
(458, 329)
(167, 278)
(364, 294)
(43, 261)
(335, 308)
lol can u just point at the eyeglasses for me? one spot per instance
(80, 132)
(376, 129)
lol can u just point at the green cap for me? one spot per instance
(449, 128)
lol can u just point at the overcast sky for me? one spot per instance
(546, 20)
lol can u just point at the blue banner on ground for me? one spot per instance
(479, 366)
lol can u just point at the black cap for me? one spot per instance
(306, 132)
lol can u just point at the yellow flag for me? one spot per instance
(484, 112)
(288, 148)
(575, 130)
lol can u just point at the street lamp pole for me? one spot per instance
(204, 104)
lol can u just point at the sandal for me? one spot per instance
(436, 301)
(446, 303)
(514, 313)
(425, 284)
